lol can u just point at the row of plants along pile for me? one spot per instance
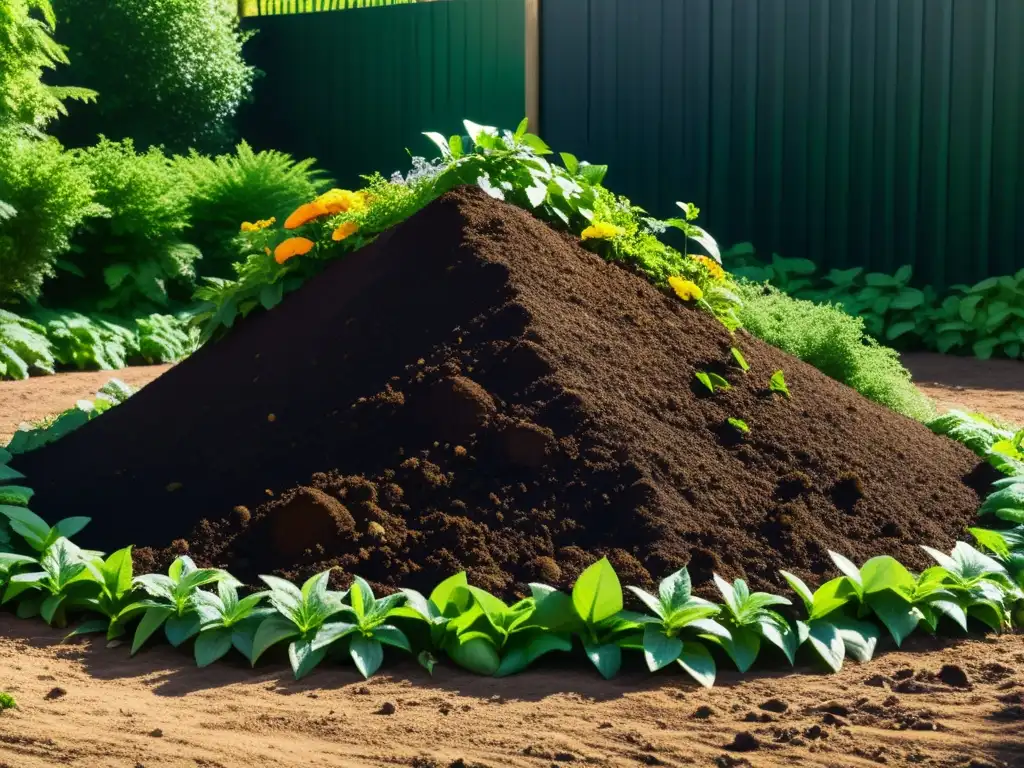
(985, 319)
(44, 574)
(101, 246)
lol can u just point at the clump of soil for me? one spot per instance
(475, 391)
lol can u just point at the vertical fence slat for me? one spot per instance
(1007, 230)
(793, 237)
(721, 116)
(818, 116)
(771, 91)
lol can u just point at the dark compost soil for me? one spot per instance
(475, 391)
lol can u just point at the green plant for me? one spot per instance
(300, 615)
(227, 622)
(187, 79)
(166, 338)
(64, 566)
(135, 255)
(26, 51)
(114, 392)
(712, 381)
(35, 531)
(778, 384)
(23, 347)
(87, 342)
(228, 190)
(741, 361)
(680, 620)
(114, 579)
(50, 196)
(1000, 446)
(7, 701)
(834, 343)
(14, 495)
(366, 628)
(750, 619)
(987, 318)
(739, 424)
(173, 602)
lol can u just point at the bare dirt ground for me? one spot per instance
(939, 703)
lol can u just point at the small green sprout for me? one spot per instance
(7, 701)
(778, 384)
(741, 361)
(739, 424)
(712, 381)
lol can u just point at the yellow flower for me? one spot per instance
(712, 266)
(601, 230)
(293, 246)
(306, 213)
(687, 290)
(346, 229)
(342, 201)
(248, 226)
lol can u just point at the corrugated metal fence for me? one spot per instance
(355, 89)
(852, 132)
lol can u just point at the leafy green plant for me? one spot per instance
(23, 347)
(836, 344)
(750, 619)
(114, 392)
(64, 568)
(27, 50)
(14, 495)
(87, 343)
(739, 425)
(999, 445)
(36, 532)
(987, 318)
(50, 196)
(436, 611)
(227, 621)
(367, 628)
(741, 361)
(679, 622)
(187, 79)
(173, 602)
(300, 615)
(166, 338)
(712, 381)
(778, 384)
(116, 590)
(7, 701)
(885, 587)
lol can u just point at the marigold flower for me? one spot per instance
(345, 230)
(266, 251)
(601, 230)
(248, 226)
(306, 213)
(293, 246)
(712, 266)
(342, 201)
(687, 290)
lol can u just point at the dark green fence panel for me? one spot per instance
(852, 132)
(354, 89)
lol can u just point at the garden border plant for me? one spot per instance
(845, 617)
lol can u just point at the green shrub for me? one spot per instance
(133, 256)
(26, 50)
(87, 343)
(227, 190)
(23, 347)
(835, 343)
(169, 72)
(50, 197)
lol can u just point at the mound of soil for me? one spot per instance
(475, 391)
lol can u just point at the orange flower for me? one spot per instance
(712, 266)
(266, 251)
(293, 246)
(346, 229)
(306, 213)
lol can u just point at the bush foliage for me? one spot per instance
(169, 72)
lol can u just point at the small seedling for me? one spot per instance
(7, 702)
(778, 384)
(740, 424)
(712, 381)
(741, 361)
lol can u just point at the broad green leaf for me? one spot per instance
(393, 636)
(156, 584)
(8, 473)
(332, 632)
(898, 615)
(152, 620)
(272, 630)
(179, 629)
(361, 597)
(442, 593)
(28, 520)
(972, 563)
(989, 613)
(15, 495)
(440, 141)
(597, 593)
(742, 647)
(554, 610)
(367, 653)
(826, 640)
(831, 596)
(88, 628)
(474, 651)
(948, 607)
(741, 361)
(778, 384)
(303, 658)
(211, 646)
(653, 604)
(71, 525)
(117, 572)
(49, 607)
(660, 649)
(801, 589)
(881, 573)
(848, 569)
(607, 657)
(675, 590)
(527, 647)
(427, 661)
(698, 663)
(781, 635)
(728, 594)
(859, 637)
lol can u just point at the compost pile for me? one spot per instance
(475, 391)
